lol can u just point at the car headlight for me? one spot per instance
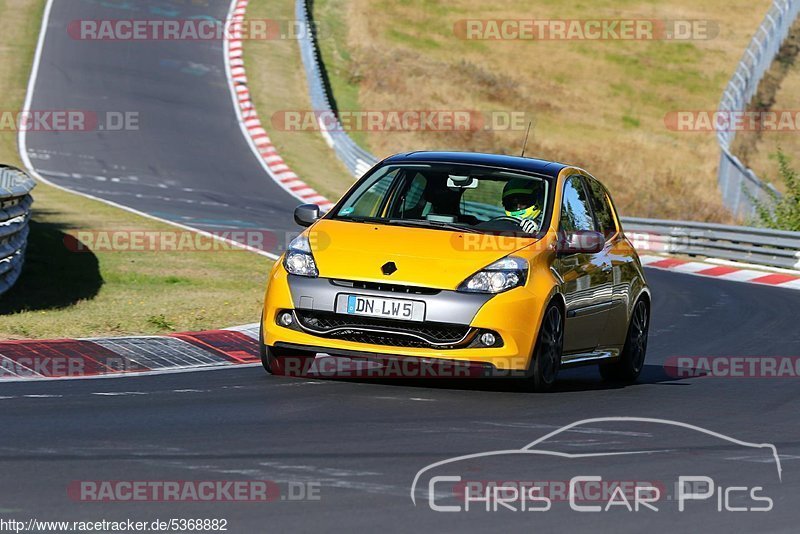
(298, 259)
(500, 276)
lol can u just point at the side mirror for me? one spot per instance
(580, 242)
(306, 214)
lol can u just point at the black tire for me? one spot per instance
(546, 359)
(263, 349)
(630, 363)
(286, 363)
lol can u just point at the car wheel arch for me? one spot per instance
(644, 294)
(558, 299)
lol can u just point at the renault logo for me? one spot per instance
(388, 268)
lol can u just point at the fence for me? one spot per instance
(738, 183)
(15, 205)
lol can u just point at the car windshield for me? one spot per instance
(451, 197)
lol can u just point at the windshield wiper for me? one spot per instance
(416, 223)
(359, 219)
(431, 224)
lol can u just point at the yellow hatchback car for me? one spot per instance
(501, 264)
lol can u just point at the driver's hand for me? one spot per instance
(528, 226)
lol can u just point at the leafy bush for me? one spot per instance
(781, 212)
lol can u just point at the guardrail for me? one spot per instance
(759, 246)
(736, 182)
(15, 206)
(752, 245)
(356, 159)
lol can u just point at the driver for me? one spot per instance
(522, 200)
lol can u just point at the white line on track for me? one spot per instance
(119, 393)
(585, 430)
(295, 383)
(23, 145)
(762, 460)
(221, 367)
(420, 399)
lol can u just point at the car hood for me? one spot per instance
(428, 258)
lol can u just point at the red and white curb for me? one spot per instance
(128, 356)
(722, 272)
(260, 142)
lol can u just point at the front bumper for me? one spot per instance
(514, 316)
(390, 365)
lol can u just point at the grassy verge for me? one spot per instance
(63, 293)
(277, 83)
(779, 90)
(597, 104)
(68, 294)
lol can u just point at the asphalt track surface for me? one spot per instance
(361, 442)
(185, 160)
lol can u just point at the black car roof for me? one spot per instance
(539, 166)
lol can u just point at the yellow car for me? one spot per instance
(437, 262)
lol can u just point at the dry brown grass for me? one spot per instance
(778, 91)
(600, 105)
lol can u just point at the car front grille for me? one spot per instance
(390, 288)
(378, 331)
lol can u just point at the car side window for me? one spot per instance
(602, 208)
(576, 215)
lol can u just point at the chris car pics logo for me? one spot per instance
(450, 485)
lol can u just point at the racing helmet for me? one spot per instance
(521, 198)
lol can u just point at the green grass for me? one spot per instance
(630, 122)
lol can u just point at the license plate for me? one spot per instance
(407, 310)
